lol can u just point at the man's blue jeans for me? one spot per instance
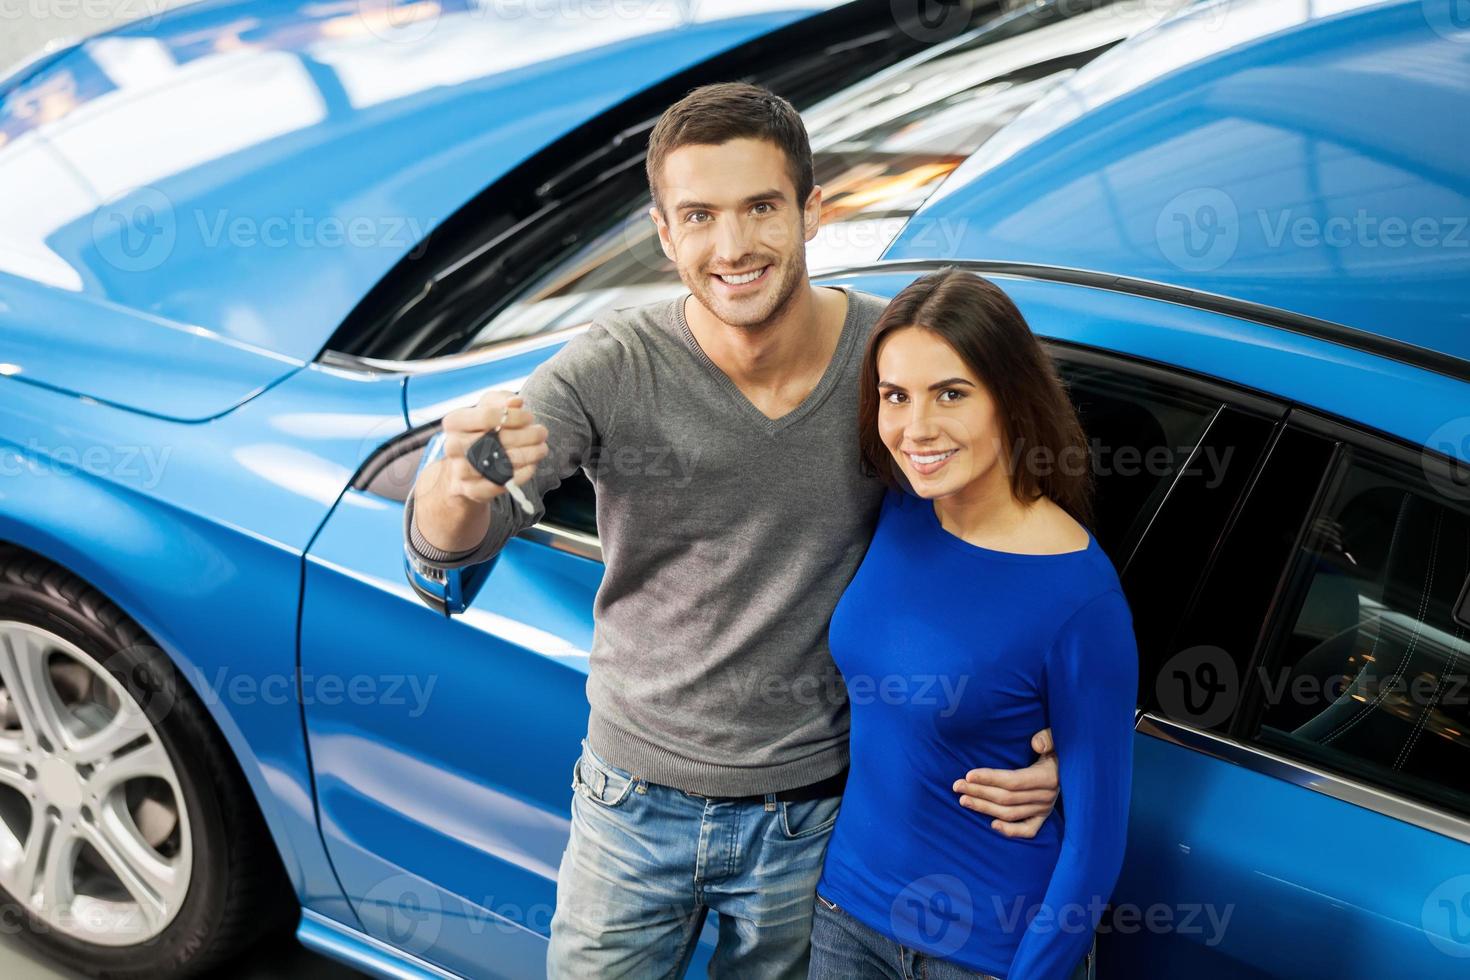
(646, 863)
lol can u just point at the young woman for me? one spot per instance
(983, 611)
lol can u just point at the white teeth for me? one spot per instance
(740, 280)
(926, 460)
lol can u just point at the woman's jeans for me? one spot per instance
(845, 949)
(646, 863)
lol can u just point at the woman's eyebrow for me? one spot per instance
(946, 383)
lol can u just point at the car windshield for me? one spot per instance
(880, 148)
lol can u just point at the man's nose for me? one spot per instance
(732, 240)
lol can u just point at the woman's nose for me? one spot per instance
(921, 426)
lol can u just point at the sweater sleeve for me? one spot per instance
(572, 394)
(1091, 676)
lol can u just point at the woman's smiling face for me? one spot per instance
(935, 416)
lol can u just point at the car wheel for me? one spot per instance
(130, 846)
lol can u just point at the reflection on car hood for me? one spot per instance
(1310, 157)
(251, 168)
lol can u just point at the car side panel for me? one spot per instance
(197, 533)
(1249, 876)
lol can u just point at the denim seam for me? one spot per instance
(809, 832)
(732, 842)
(691, 936)
(598, 792)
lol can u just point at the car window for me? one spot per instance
(572, 506)
(1370, 673)
(1140, 432)
(1193, 674)
(879, 147)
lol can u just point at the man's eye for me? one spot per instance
(696, 217)
(762, 208)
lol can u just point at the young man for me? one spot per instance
(716, 749)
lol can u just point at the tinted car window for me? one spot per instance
(573, 505)
(1370, 675)
(1140, 433)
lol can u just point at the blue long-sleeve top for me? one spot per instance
(954, 655)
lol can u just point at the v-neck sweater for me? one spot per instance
(727, 539)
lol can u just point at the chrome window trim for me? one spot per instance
(1271, 316)
(449, 362)
(520, 345)
(1307, 777)
(565, 539)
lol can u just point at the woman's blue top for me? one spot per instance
(954, 655)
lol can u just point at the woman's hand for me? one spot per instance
(1020, 800)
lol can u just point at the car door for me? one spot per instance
(1303, 765)
(443, 745)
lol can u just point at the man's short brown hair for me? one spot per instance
(714, 114)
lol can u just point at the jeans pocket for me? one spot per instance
(596, 780)
(807, 818)
(830, 906)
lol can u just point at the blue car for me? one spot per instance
(253, 250)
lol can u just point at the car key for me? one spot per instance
(488, 458)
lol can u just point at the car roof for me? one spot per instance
(221, 166)
(1310, 158)
(1421, 407)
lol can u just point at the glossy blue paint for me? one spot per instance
(428, 397)
(456, 793)
(86, 346)
(253, 167)
(331, 938)
(1252, 877)
(1285, 153)
(197, 532)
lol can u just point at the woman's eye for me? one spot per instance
(944, 395)
(894, 398)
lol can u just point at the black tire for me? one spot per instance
(238, 891)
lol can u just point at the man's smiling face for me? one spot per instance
(728, 218)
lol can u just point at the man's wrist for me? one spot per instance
(444, 507)
(421, 548)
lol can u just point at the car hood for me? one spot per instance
(1311, 158)
(236, 175)
(109, 353)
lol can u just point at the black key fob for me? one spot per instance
(488, 458)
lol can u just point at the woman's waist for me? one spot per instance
(902, 824)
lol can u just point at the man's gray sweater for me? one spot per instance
(728, 538)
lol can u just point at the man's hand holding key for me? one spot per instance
(515, 444)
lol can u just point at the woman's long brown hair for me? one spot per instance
(991, 336)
